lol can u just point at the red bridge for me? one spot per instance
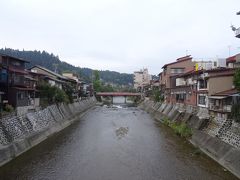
(117, 94)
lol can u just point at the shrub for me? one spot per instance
(8, 108)
(235, 112)
(180, 129)
(53, 94)
(60, 96)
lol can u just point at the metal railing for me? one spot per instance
(224, 108)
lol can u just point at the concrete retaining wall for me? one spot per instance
(218, 138)
(20, 133)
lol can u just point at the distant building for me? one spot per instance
(76, 83)
(71, 76)
(234, 61)
(141, 79)
(207, 65)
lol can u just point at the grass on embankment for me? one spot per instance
(180, 129)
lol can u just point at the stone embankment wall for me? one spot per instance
(20, 133)
(218, 138)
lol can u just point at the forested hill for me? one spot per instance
(53, 63)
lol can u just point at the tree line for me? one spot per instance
(52, 62)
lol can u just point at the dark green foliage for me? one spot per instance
(52, 94)
(60, 96)
(236, 79)
(99, 86)
(235, 112)
(8, 108)
(52, 62)
(68, 89)
(96, 82)
(157, 96)
(180, 129)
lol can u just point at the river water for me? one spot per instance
(114, 143)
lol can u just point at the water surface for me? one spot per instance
(114, 143)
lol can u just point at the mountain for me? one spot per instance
(53, 63)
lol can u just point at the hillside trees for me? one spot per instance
(52, 62)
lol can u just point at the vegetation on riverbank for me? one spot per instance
(180, 129)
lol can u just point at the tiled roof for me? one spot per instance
(232, 59)
(185, 58)
(20, 59)
(51, 72)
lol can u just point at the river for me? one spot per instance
(114, 143)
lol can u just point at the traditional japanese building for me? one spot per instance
(16, 86)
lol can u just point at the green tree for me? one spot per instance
(235, 111)
(69, 90)
(157, 96)
(236, 79)
(52, 94)
(60, 96)
(96, 82)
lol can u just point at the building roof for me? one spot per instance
(181, 59)
(49, 71)
(12, 57)
(54, 79)
(231, 59)
(30, 78)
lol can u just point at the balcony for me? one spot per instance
(237, 33)
(223, 109)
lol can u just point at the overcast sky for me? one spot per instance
(121, 35)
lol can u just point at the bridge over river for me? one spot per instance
(111, 143)
(116, 96)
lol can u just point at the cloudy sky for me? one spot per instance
(121, 35)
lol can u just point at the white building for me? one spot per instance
(208, 65)
(141, 78)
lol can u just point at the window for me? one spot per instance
(202, 100)
(177, 70)
(17, 79)
(16, 63)
(180, 97)
(3, 75)
(202, 84)
(20, 95)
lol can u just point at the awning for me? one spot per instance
(24, 88)
(217, 97)
(30, 78)
(235, 95)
